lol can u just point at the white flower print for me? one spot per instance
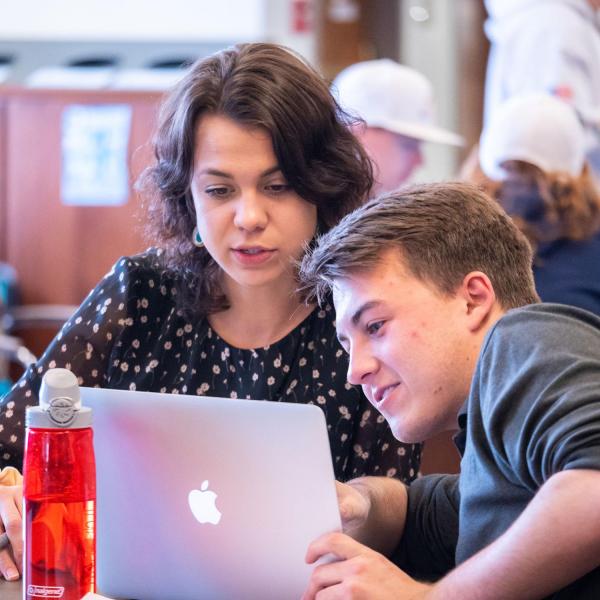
(163, 350)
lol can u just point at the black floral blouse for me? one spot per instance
(128, 334)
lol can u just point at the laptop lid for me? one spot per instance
(201, 497)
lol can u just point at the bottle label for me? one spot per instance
(45, 591)
(62, 411)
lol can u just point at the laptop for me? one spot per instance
(202, 497)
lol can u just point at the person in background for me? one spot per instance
(547, 46)
(253, 160)
(437, 309)
(395, 105)
(533, 152)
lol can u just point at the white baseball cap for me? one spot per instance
(391, 96)
(536, 128)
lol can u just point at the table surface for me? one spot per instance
(10, 590)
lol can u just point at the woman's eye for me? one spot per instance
(217, 191)
(278, 188)
(374, 327)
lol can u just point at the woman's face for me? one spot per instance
(250, 220)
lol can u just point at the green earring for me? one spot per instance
(197, 239)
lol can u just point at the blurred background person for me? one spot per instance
(397, 107)
(533, 152)
(550, 46)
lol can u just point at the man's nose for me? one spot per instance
(361, 366)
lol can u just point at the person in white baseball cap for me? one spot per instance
(396, 105)
(535, 128)
(550, 46)
(533, 150)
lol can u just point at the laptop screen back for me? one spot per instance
(201, 497)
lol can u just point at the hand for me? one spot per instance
(360, 573)
(354, 506)
(11, 558)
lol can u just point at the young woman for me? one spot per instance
(533, 152)
(253, 160)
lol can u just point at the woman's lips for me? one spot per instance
(252, 255)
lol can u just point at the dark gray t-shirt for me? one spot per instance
(533, 411)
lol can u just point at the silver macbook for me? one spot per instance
(201, 497)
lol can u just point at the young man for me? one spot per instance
(436, 306)
(396, 104)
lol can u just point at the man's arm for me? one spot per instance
(555, 541)
(373, 511)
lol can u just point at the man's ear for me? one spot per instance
(479, 296)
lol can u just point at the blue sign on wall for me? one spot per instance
(94, 154)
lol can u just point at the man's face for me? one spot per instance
(395, 157)
(410, 348)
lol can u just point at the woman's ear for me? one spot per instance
(479, 296)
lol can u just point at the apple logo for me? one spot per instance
(202, 503)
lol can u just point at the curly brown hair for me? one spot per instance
(569, 207)
(256, 85)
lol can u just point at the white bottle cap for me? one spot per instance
(59, 383)
(60, 403)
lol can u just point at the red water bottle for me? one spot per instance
(59, 493)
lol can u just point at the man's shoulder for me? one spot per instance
(533, 346)
(545, 322)
(530, 344)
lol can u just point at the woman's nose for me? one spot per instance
(251, 212)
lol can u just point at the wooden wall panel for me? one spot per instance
(440, 455)
(472, 53)
(373, 33)
(60, 252)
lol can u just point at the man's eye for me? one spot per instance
(374, 327)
